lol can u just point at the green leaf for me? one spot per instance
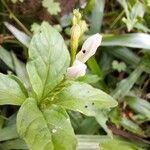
(137, 11)
(118, 66)
(94, 67)
(139, 105)
(48, 60)
(125, 85)
(15, 144)
(118, 144)
(97, 16)
(20, 36)
(52, 7)
(82, 97)
(32, 126)
(131, 126)
(11, 91)
(89, 78)
(45, 129)
(20, 70)
(134, 40)
(124, 4)
(124, 54)
(89, 142)
(6, 57)
(88, 7)
(87, 126)
(8, 133)
(102, 118)
(59, 124)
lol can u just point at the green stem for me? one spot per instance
(73, 47)
(16, 19)
(95, 69)
(117, 19)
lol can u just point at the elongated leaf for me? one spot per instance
(124, 54)
(32, 126)
(139, 105)
(20, 70)
(8, 133)
(131, 126)
(16, 144)
(119, 144)
(20, 36)
(6, 57)
(48, 60)
(45, 129)
(84, 98)
(134, 40)
(125, 85)
(10, 91)
(97, 16)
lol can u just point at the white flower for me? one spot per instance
(89, 47)
(78, 69)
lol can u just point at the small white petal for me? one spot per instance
(89, 47)
(77, 70)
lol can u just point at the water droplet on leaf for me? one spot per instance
(54, 131)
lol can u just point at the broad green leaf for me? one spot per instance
(118, 144)
(48, 60)
(32, 126)
(134, 40)
(11, 91)
(45, 129)
(139, 105)
(58, 121)
(82, 97)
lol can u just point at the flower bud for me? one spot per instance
(76, 16)
(77, 70)
(89, 47)
(83, 26)
(75, 32)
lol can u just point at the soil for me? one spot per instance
(33, 8)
